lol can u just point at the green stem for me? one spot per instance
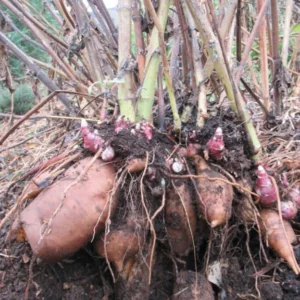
(222, 68)
(146, 98)
(198, 72)
(212, 44)
(125, 94)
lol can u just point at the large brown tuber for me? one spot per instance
(280, 241)
(63, 217)
(214, 196)
(180, 219)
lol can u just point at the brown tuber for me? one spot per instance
(279, 238)
(120, 248)
(69, 211)
(214, 196)
(180, 218)
(136, 165)
(187, 288)
(246, 209)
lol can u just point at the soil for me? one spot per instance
(244, 274)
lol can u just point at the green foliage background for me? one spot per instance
(23, 99)
(17, 68)
(23, 96)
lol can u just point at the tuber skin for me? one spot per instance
(121, 246)
(136, 165)
(265, 189)
(245, 209)
(288, 209)
(123, 250)
(178, 230)
(215, 145)
(76, 214)
(186, 288)
(190, 151)
(91, 141)
(273, 231)
(214, 196)
(136, 285)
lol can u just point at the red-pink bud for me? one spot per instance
(294, 195)
(146, 128)
(288, 210)
(108, 154)
(84, 127)
(121, 124)
(264, 188)
(216, 145)
(193, 136)
(151, 173)
(91, 141)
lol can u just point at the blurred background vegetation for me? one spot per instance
(23, 96)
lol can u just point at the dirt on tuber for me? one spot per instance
(180, 218)
(214, 197)
(65, 216)
(280, 237)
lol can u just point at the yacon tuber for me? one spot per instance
(69, 211)
(180, 219)
(279, 238)
(214, 197)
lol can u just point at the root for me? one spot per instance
(152, 229)
(252, 261)
(112, 193)
(191, 233)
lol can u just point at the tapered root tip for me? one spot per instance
(292, 263)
